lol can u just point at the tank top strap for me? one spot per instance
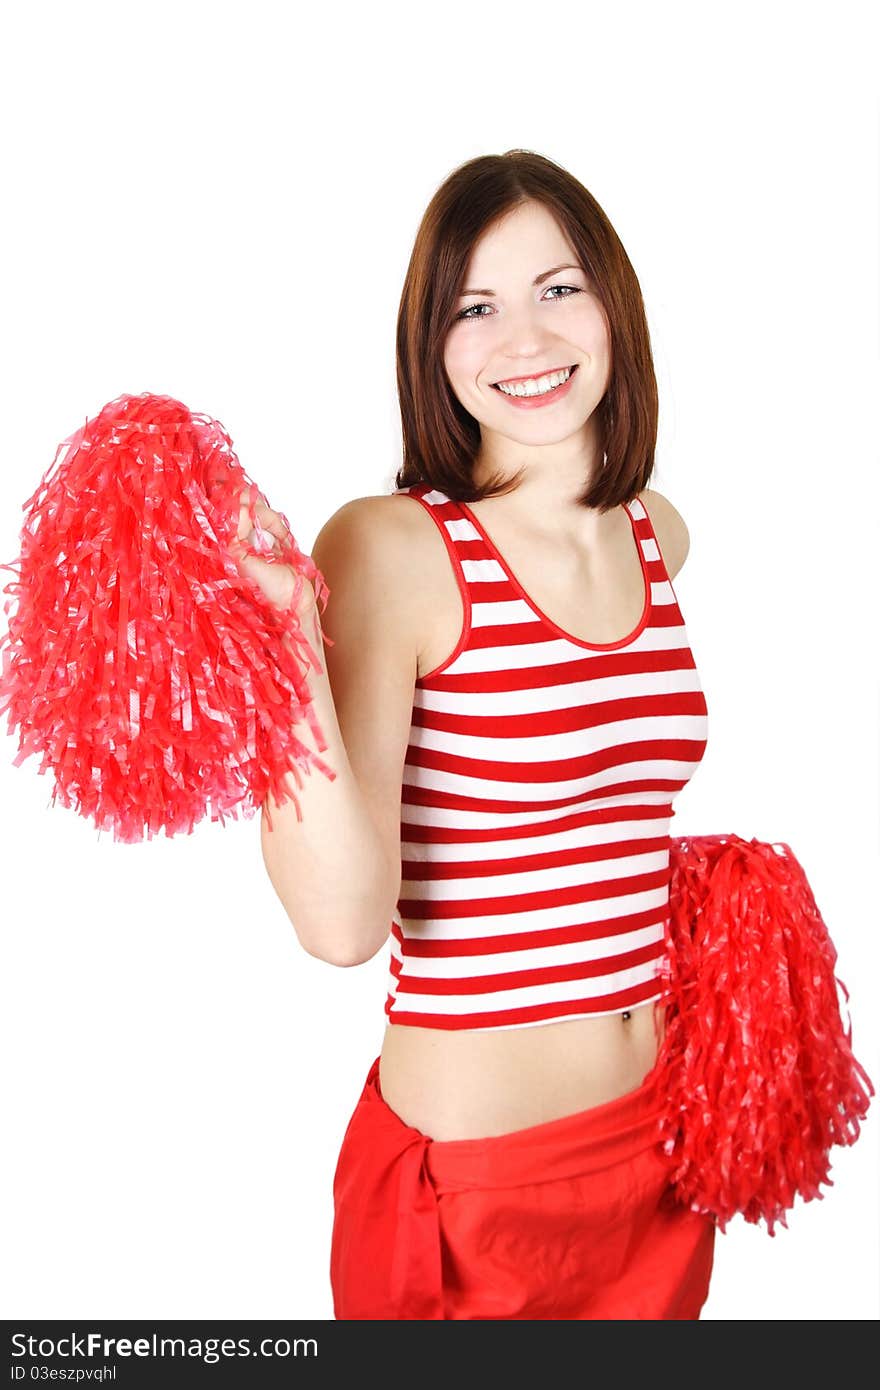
(471, 542)
(647, 539)
(473, 555)
(486, 581)
(666, 610)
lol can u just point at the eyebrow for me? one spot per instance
(538, 280)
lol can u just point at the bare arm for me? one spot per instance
(337, 871)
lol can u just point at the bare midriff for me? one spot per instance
(469, 1084)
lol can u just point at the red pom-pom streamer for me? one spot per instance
(759, 1076)
(155, 679)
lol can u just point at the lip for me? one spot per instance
(515, 380)
(536, 402)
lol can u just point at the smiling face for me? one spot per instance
(528, 318)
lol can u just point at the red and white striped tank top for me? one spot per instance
(536, 801)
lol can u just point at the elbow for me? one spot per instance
(359, 933)
(330, 958)
(332, 955)
(365, 951)
(343, 949)
(345, 932)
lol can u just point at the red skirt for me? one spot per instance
(573, 1218)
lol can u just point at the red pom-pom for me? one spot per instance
(759, 1075)
(152, 675)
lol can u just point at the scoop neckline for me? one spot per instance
(545, 617)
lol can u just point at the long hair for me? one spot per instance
(440, 438)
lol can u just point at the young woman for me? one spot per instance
(510, 706)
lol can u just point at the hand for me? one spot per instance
(276, 579)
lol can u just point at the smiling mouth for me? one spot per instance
(529, 381)
(536, 376)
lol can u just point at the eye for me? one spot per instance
(469, 314)
(470, 311)
(572, 289)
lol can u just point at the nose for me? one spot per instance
(525, 339)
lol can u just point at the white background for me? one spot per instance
(218, 202)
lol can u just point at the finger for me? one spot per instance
(263, 541)
(251, 513)
(264, 519)
(272, 522)
(258, 538)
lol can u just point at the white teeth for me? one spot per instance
(539, 387)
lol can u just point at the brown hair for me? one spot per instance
(440, 438)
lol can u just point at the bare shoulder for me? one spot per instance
(365, 530)
(670, 529)
(395, 528)
(365, 543)
(395, 543)
(374, 519)
(372, 552)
